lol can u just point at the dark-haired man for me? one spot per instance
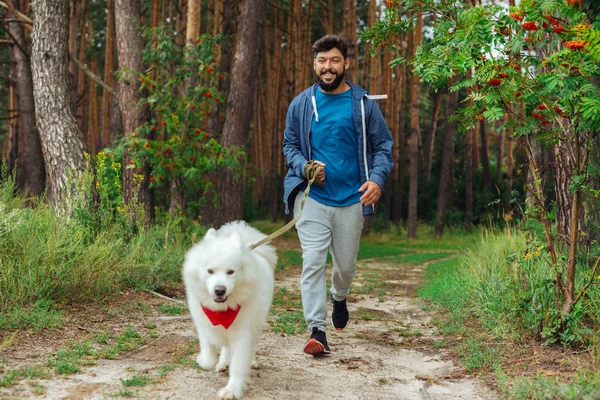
(338, 126)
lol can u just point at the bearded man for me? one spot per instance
(338, 126)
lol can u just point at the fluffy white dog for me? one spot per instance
(229, 292)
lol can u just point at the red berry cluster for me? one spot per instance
(575, 44)
(516, 16)
(530, 26)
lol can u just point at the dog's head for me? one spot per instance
(217, 265)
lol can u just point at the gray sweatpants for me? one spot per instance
(321, 229)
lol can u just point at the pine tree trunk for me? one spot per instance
(509, 168)
(431, 139)
(109, 74)
(31, 174)
(414, 137)
(61, 139)
(240, 105)
(446, 174)
(129, 50)
(12, 134)
(485, 161)
(82, 100)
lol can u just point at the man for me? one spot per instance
(336, 125)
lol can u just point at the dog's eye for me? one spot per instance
(230, 272)
(210, 271)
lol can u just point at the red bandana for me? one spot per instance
(224, 318)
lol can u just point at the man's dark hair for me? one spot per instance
(329, 42)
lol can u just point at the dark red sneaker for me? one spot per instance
(317, 344)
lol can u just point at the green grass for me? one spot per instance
(42, 314)
(137, 381)
(586, 386)
(288, 258)
(170, 309)
(71, 359)
(26, 372)
(418, 258)
(48, 260)
(492, 293)
(286, 313)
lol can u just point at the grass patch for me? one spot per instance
(585, 386)
(494, 293)
(42, 315)
(418, 258)
(171, 309)
(369, 314)
(48, 260)
(286, 313)
(137, 381)
(26, 372)
(288, 258)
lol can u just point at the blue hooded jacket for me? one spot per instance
(374, 141)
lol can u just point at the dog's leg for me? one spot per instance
(242, 354)
(223, 363)
(207, 358)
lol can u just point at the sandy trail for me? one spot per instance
(386, 352)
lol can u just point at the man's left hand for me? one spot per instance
(371, 193)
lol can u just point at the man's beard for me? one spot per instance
(328, 87)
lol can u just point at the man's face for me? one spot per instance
(330, 67)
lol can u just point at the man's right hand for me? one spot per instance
(320, 179)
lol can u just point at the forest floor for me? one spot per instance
(389, 350)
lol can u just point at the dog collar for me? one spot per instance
(224, 318)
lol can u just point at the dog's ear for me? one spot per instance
(236, 238)
(210, 233)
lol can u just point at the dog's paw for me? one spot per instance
(231, 392)
(206, 361)
(222, 366)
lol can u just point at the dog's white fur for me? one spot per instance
(223, 259)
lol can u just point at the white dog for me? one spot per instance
(229, 292)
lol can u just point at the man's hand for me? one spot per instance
(320, 179)
(372, 193)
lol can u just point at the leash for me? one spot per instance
(311, 170)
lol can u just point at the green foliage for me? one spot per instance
(181, 88)
(586, 386)
(535, 63)
(47, 261)
(507, 284)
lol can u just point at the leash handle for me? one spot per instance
(312, 173)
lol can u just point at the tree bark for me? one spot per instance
(129, 53)
(61, 139)
(485, 161)
(31, 174)
(446, 174)
(109, 74)
(240, 106)
(565, 164)
(414, 137)
(431, 139)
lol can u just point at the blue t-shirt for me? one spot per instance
(334, 142)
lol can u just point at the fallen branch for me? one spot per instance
(165, 297)
(175, 318)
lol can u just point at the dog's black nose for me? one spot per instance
(220, 291)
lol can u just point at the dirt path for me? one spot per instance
(388, 351)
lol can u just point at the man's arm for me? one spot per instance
(381, 142)
(292, 149)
